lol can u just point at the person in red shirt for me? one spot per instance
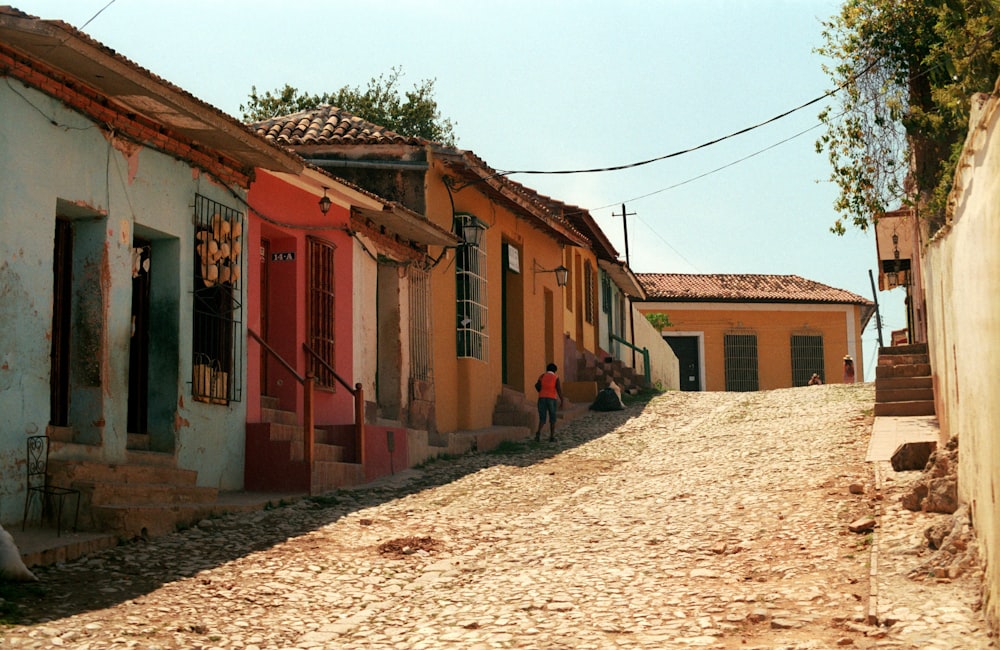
(550, 398)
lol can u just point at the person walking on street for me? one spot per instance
(550, 398)
(848, 369)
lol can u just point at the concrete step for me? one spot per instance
(128, 521)
(326, 452)
(102, 493)
(328, 476)
(68, 472)
(913, 348)
(279, 416)
(269, 402)
(905, 370)
(885, 395)
(904, 409)
(901, 383)
(284, 432)
(903, 359)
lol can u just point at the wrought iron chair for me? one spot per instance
(38, 483)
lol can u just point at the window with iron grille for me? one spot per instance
(421, 341)
(807, 358)
(470, 289)
(589, 293)
(741, 361)
(606, 294)
(217, 342)
(321, 310)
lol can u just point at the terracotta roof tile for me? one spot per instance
(328, 125)
(742, 288)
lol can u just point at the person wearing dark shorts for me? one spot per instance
(550, 398)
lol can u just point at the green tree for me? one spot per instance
(414, 113)
(659, 320)
(906, 70)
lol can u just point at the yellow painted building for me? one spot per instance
(757, 332)
(507, 287)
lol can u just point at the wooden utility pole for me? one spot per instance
(625, 215)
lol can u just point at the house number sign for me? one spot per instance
(283, 257)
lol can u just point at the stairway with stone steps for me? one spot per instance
(275, 455)
(903, 382)
(145, 496)
(604, 370)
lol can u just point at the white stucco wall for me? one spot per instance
(365, 317)
(962, 284)
(663, 367)
(72, 166)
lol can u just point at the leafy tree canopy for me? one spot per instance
(659, 320)
(413, 113)
(906, 70)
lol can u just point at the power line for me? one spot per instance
(713, 171)
(676, 153)
(97, 14)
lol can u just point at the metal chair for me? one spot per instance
(38, 483)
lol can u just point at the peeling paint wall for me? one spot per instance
(961, 267)
(54, 162)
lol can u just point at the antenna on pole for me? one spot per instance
(625, 215)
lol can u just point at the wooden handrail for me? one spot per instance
(255, 336)
(308, 417)
(328, 367)
(359, 403)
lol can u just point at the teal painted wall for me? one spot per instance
(110, 191)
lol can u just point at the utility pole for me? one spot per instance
(625, 215)
(878, 316)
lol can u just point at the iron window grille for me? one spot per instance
(217, 341)
(807, 358)
(741, 361)
(321, 310)
(421, 329)
(470, 290)
(589, 292)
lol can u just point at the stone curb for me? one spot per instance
(872, 616)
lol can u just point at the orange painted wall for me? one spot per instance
(583, 333)
(466, 390)
(774, 324)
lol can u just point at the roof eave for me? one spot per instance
(136, 90)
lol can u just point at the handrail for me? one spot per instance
(308, 415)
(359, 402)
(644, 351)
(328, 367)
(277, 356)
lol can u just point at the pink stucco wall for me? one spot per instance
(285, 216)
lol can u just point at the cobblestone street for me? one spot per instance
(715, 520)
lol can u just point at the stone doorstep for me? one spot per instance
(109, 493)
(903, 360)
(41, 546)
(284, 432)
(903, 394)
(907, 370)
(67, 472)
(277, 416)
(330, 475)
(902, 409)
(912, 348)
(900, 383)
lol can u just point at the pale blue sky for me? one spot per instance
(564, 84)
